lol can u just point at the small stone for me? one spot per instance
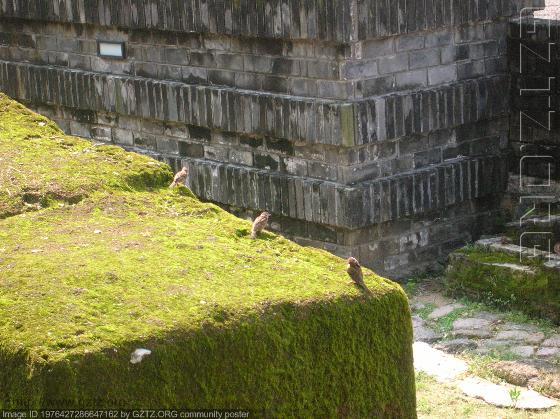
(473, 333)
(492, 344)
(97, 232)
(425, 334)
(456, 345)
(138, 355)
(546, 351)
(553, 341)
(444, 311)
(523, 351)
(515, 373)
(417, 321)
(417, 306)
(521, 336)
(36, 251)
(491, 317)
(471, 323)
(516, 326)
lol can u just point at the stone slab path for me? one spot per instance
(501, 395)
(448, 335)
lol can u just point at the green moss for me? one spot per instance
(472, 274)
(40, 166)
(231, 322)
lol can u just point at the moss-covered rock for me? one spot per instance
(109, 260)
(499, 278)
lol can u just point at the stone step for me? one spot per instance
(542, 232)
(501, 244)
(349, 206)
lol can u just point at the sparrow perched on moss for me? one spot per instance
(259, 224)
(557, 248)
(180, 177)
(354, 269)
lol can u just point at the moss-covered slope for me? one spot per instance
(110, 260)
(40, 165)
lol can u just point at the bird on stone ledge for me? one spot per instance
(180, 177)
(354, 269)
(557, 248)
(259, 224)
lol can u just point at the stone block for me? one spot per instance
(412, 79)
(439, 38)
(442, 74)
(241, 157)
(469, 70)
(123, 137)
(410, 42)
(393, 63)
(424, 58)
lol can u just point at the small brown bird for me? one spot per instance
(259, 224)
(557, 248)
(180, 177)
(354, 269)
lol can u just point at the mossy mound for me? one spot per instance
(40, 166)
(488, 275)
(111, 260)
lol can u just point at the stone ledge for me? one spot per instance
(497, 244)
(333, 20)
(350, 207)
(341, 123)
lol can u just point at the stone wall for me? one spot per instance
(535, 119)
(376, 128)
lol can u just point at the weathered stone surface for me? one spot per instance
(471, 323)
(444, 311)
(513, 267)
(423, 333)
(334, 20)
(353, 210)
(516, 373)
(521, 335)
(490, 316)
(472, 333)
(499, 395)
(523, 351)
(456, 345)
(548, 351)
(486, 345)
(553, 341)
(436, 363)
